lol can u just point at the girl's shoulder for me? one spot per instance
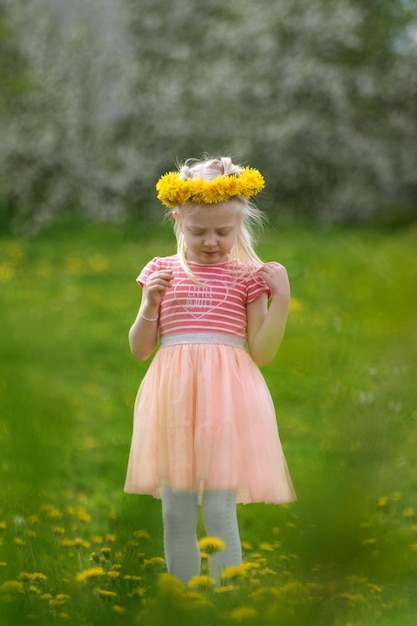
(156, 264)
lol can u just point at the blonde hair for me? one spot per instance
(252, 219)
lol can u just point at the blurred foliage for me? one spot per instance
(319, 95)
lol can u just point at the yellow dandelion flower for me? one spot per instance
(250, 565)
(105, 551)
(51, 511)
(113, 575)
(46, 596)
(62, 597)
(267, 571)
(382, 501)
(234, 572)
(83, 516)
(3, 525)
(120, 610)
(201, 581)
(104, 593)
(58, 530)
(68, 543)
(3, 564)
(89, 574)
(96, 539)
(155, 560)
(243, 613)
(264, 594)
(247, 546)
(37, 577)
(375, 588)
(142, 534)
(170, 584)
(409, 512)
(81, 543)
(352, 599)
(12, 586)
(18, 541)
(95, 557)
(266, 547)
(139, 592)
(224, 588)
(110, 538)
(211, 545)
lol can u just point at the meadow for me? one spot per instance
(74, 549)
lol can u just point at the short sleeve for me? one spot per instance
(255, 286)
(149, 269)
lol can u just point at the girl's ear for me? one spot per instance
(177, 218)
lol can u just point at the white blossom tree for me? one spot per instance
(318, 94)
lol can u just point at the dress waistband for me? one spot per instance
(221, 338)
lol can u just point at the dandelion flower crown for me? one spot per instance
(173, 191)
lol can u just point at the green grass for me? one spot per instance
(345, 392)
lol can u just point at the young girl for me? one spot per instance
(205, 427)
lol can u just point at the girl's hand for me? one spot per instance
(155, 288)
(276, 277)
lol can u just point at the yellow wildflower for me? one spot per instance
(3, 525)
(383, 501)
(242, 613)
(235, 571)
(201, 581)
(113, 575)
(409, 512)
(88, 574)
(18, 541)
(12, 586)
(105, 552)
(170, 584)
(211, 545)
(224, 588)
(119, 609)
(155, 560)
(104, 593)
(142, 534)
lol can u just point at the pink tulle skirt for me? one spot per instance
(204, 420)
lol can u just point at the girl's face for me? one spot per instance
(210, 232)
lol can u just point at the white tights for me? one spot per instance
(180, 515)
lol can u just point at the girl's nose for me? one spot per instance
(209, 242)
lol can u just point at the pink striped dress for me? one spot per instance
(204, 418)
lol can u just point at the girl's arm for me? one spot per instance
(266, 326)
(143, 333)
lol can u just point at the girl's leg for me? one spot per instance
(220, 520)
(180, 514)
